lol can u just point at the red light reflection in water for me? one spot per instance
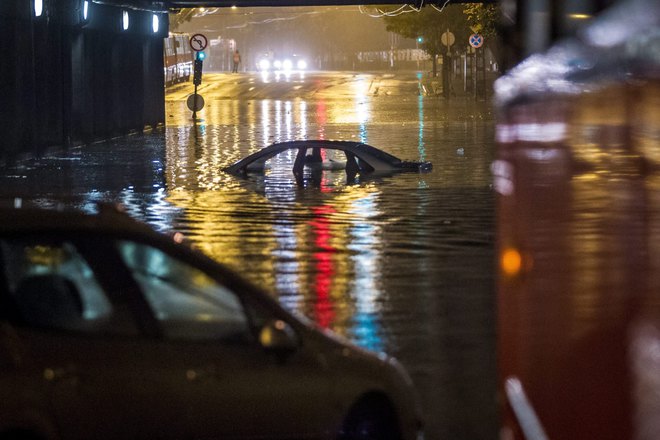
(323, 306)
(321, 116)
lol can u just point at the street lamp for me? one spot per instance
(38, 8)
(155, 23)
(124, 19)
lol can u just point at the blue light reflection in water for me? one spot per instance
(420, 146)
(364, 243)
(286, 265)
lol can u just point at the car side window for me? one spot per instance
(52, 285)
(188, 303)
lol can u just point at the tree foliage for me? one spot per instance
(482, 18)
(429, 24)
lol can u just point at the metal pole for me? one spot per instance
(195, 104)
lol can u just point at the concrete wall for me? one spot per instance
(66, 80)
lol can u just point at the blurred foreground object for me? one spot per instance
(578, 180)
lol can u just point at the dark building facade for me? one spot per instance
(75, 71)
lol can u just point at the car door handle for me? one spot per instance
(59, 374)
(193, 374)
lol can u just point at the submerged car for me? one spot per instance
(359, 158)
(109, 329)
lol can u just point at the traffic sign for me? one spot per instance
(198, 42)
(195, 102)
(476, 40)
(447, 38)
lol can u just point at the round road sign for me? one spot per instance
(195, 102)
(447, 38)
(476, 40)
(198, 42)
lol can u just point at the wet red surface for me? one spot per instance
(579, 245)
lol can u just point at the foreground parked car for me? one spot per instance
(111, 330)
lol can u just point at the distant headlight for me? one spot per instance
(277, 64)
(302, 65)
(287, 65)
(264, 64)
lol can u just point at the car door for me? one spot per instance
(231, 387)
(83, 345)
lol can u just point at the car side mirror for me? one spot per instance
(277, 336)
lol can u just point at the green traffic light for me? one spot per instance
(201, 55)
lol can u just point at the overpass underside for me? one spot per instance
(71, 74)
(275, 3)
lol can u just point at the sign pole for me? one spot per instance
(194, 115)
(447, 39)
(198, 43)
(476, 41)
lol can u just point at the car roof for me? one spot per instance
(111, 219)
(107, 218)
(370, 155)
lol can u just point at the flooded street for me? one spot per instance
(400, 263)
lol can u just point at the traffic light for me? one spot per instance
(420, 39)
(197, 71)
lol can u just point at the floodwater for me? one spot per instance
(400, 263)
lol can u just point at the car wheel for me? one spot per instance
(370, 419)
